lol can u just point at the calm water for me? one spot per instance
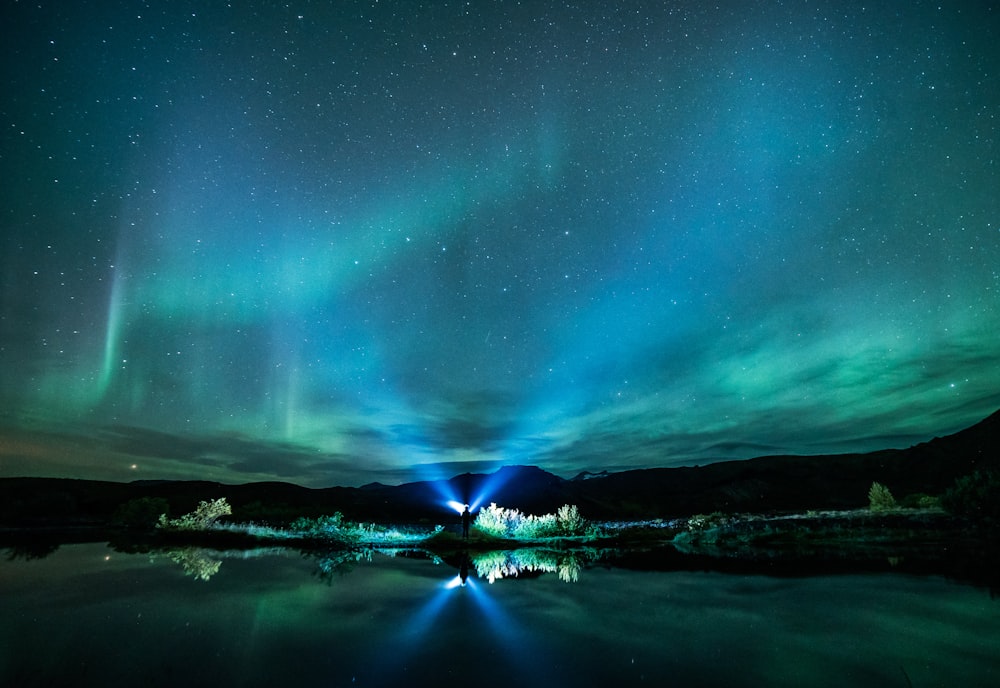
(90, 616)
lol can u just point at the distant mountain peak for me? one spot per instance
(518, 469)
(590, 475)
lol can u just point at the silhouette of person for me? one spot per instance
(463, 570)
(466, 522)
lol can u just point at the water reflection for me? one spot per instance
(461, 608)
(196, 562)
(460, 598)
(202, 563)
(30, 550)
(568, 564)
(330, 565)
(492, 565)
(89, 616)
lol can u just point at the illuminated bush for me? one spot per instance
(702, 522)
(510, 523)
(325, 526)
(530, 527)
(879, 498)
(202, 518)
(497, 521)
(336, 528)
(570, 520)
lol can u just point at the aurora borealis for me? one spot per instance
(339, 242)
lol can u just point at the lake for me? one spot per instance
(88, 615)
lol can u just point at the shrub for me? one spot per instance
(143, 512)
(335, 527)
(202, 518)
(510, 523)
(700, 522)
(879, 498)
(920, 500)
(975, 497)
(497, 521)
(332, 527)
(530, 527)
(321, 525)
(570, 520)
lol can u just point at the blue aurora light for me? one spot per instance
(338, 245)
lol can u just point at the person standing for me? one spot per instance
(466, 522)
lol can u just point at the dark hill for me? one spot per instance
(762, 485)
(791, 483)
(527, 488)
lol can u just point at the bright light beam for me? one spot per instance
(503, 625)
(424, 618)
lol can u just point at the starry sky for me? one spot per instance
(341, 242)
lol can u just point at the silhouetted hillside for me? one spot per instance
(762, 485)
(791, 483)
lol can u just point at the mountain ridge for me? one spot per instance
(765, 484)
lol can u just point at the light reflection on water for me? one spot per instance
(89, 616)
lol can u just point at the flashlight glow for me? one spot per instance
(457, 506)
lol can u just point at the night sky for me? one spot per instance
(340, 242)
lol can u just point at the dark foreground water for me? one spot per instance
(86, 615)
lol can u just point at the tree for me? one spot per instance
(975, 497)
(202, 518)
(879, 498)
(570, 520)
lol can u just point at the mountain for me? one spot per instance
(763, 485)
(588, 475)
(527, 488)
(791, 483)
